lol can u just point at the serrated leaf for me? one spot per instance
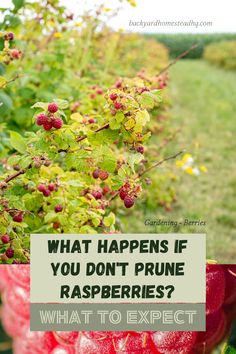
(134, 159)
(17, 142)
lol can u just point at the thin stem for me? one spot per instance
(160, 163)
(10, 178)
(17, 76)
(96, 131)
(177, 59)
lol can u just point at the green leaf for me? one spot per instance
(18, 4)
(109, 220)
(109, 163)
(228, 349)
(147, 100)
(157, 94)
(62, 104)
(134, 159)
(114, 125)
(17, 142)
(142, 117)
(50, 217)
(119, 117)
(42, 105)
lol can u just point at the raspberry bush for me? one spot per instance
(81, 156)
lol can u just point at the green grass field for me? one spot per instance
(204, 106)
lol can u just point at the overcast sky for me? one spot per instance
(222, 14)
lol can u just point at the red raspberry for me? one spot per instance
(174, 342)
(57, 123)
(56, 225)
(123, 193)
(118, 84)
(91, 121)
(215, 330)
(51, 187)
(93, 96)
(41, 119)
(47, 126)
(46, 192)
(230, 290)
(215, 287)
(18, 298)
(15, 53)
(105, 190)
(9, 36)
(140, 149)
(113, 96)
(99, 91)
(52, 107)
(129, 201)
(103, 175)
(96, 173)
(97, 194)
(41, 187)
(18, 217)
(118, 105)
(9, 253)
(5, 238)
(58, 208)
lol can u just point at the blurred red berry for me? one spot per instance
(41, 119)
(57, 123)
(52, 107)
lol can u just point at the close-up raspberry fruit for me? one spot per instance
(10, 253)
(103, 175)
(5, 238)
(9, 36)
(41, 119)
(41, 187)
(58, 208)
(118, 105)
(57, 123)
(215, 287)
(96, 173)
(129, 201)
(113, 96)
(52, 107)
(47, 126)
(18, 217)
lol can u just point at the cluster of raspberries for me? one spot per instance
(49, 120)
